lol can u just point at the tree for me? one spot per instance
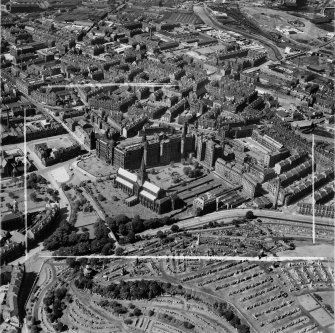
(131, 236)
(197, 211)
(137, 312)
(175, 228)
(107, 249)
(101, 197)
(249, 215)
(119, 251)
(15, 180)
(33, 197)
(123, 230)
(115, 198)
(186, 170)
(160, 234)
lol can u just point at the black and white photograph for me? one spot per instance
(167, 166)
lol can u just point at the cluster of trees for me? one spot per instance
(224, 311)
(53, 193)
(123, 225)
(33, 181)
(54, 305)
(67, 241)
(116, 307)
(176, 321)
(130, 290)
(192, 173)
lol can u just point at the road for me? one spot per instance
(236, 213)
(204, 14)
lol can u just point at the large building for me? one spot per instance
(207, 150)
(217, 199)
(141, 190)
(251, 185)
(229, 171)
(10, 311)
(157, 150)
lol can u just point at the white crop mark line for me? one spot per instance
(215, 258)
(111, 84)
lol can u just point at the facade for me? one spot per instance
(104, 149)
(251, 186)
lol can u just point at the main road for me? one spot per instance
(204, 14)
(241, 212)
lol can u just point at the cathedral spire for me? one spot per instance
(143, 172)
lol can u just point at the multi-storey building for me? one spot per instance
(231, 172)
(251, 186)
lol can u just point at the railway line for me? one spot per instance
(238, 213)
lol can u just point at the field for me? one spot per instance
(327, 298)
(310, 251)
(308, 302)
(96, 167)
(322, 317)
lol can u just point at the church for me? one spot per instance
(140, 189)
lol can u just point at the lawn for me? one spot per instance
(96, 167)
(85, 219)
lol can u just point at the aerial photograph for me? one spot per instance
(167, 166)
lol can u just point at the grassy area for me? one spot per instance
(85, 219)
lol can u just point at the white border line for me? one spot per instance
(111, 84)
(215, 258)
(25, 182)
(313, 190)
